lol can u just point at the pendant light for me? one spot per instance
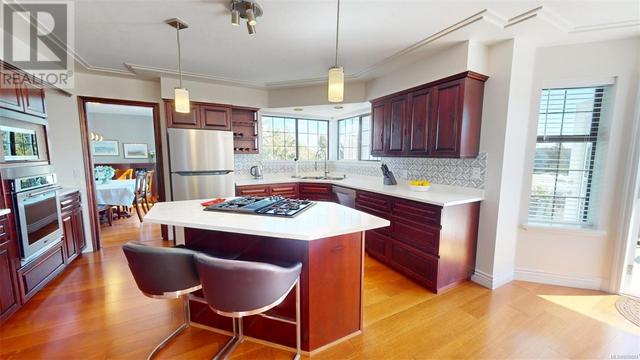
(335, 88)
(180, 94)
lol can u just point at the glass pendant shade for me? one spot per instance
(336, 84)
(181, 96)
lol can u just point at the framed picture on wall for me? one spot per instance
(136, 151)
(105, 148)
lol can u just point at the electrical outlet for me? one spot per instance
(475, 173)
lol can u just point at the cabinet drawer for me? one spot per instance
(375, 243)
(70, 202)
(373, 201)
(315, 188)
(40, 271)
(422, 268)
(252, 190)
(421, 237)
(285, 190)
(374, 212)
(415, 211)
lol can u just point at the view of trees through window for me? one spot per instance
(563, 171)
(354, 138)
(288, 138)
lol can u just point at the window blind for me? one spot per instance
(564, 185)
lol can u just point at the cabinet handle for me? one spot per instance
(337, 248)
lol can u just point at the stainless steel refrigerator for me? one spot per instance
(201, 164)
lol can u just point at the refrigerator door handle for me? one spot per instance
(200, 173)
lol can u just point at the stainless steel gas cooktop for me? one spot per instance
(271, 206)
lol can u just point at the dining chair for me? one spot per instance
(139, 193)
(148, 190)
(124, 174)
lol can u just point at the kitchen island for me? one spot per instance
(327, 238)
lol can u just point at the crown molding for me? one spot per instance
(486, 15)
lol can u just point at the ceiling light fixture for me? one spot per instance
(335, 88)
(180, 94)
(248, 10)
(235, 15)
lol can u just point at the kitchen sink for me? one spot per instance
(321, 177)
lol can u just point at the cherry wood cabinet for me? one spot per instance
(215, 117)
(72, 225)
(438, 119)
(9, 298)
(20, 96)
(253, 190)
(289, 190)
(39, 272)
(316, 191)
(432, 245)
(34, 103)
(175, 119)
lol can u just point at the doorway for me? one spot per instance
(122, 150)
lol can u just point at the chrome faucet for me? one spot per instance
(315, 164)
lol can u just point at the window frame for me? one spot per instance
(359, 146)
(296, 119)
(591, 138)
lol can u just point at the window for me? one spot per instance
(563, 186)
(289, 138)
(354, 138)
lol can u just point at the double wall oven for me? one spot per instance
(35, 199)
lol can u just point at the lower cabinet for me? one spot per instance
(432, 245)
(289, 190)
(316, 191)
(9, 299)
(37, 273)
(72, 225)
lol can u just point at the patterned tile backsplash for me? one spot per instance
(457, 172)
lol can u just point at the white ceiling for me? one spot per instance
(119, 109)
(327, 112)
(295, 39)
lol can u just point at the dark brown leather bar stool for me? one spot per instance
(236, 289)
(165, 273)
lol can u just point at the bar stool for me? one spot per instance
(165, 273)
(236, 289)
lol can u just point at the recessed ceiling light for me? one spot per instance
(298, 109)
(338, 107)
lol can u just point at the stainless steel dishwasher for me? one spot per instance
(345, 196)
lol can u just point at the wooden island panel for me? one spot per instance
(330, 284)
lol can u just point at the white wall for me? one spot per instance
(583, 258)
(354, 92)
(126, 129)
(64, 125)
(216, 93)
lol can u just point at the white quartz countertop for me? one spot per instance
(441, 195)
(322, 220)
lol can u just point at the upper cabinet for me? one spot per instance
(438, 119)
(22, 97)
(241, 120)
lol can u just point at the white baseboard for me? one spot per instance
(490, 281)
(568, 280)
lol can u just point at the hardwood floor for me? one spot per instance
(94, 310)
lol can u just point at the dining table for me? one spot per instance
(116, 192)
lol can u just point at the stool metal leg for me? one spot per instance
(231, 344)
(176, 332)
(298, 332)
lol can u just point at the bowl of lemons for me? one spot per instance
(419, 185)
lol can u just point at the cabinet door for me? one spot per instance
(395, 126)
(377, 128)
(215, 117)
(285, 190)
(8, 291)
(445, 127)
(418, 125)
(316, 192)
(180, 120)
(33, 97)
(252, 190)
(69, 235)
(78, 227)
(10, 93)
